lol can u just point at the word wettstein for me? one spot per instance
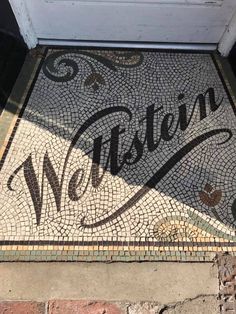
(168, 125)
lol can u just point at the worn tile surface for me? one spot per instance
(227, 276)
(121, 155)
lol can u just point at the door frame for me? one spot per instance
(22, 16)
(229, 38)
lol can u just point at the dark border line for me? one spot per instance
(224, 83)
(119, 243)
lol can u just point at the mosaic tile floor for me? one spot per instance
(120, 156)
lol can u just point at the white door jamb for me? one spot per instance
(229, 38)
(25, 24)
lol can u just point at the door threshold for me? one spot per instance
(121, 44)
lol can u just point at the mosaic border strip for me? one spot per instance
(105, 250)
(10, 117)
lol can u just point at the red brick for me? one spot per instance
(82, 307)
(22, 308)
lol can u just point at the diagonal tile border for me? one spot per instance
(180, 234)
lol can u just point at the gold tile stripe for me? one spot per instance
(116, 248)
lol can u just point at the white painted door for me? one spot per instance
(167, 21)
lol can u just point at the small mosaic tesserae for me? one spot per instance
(120, 156)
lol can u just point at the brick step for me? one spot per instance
(202, 304)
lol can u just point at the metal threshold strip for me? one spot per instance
(121, 44)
